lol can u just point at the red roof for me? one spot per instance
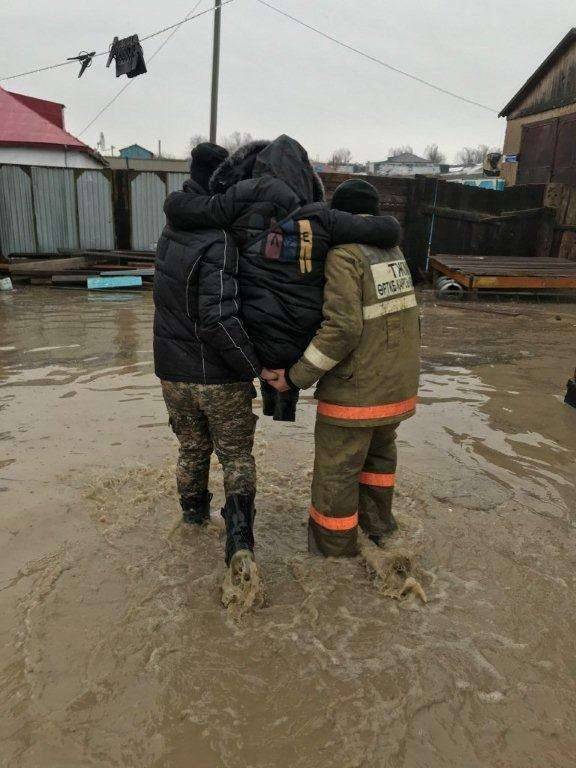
(26, 121)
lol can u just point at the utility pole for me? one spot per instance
(215, 71)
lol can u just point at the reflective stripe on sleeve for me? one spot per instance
(377, 479)
(359, 413)
(334, 523)
(319, 359)
(390, 306)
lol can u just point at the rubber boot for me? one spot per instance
(239, 517)
(196, 509)
(390, 525)
(570, 398)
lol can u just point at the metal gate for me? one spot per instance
(17, 233)
(147, 195)
(45, 210)
(55, 209)
(95, 213)
(148, 191)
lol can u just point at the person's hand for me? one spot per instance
(268, 375)
(280, 384)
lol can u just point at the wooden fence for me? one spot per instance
(535, 220)
(457, 219)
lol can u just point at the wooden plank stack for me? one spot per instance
(505, 273)
(93, 270)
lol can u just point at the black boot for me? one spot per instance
(269, 396)
(239, 516)
(196, 509)
(570, 398)
(390, 525)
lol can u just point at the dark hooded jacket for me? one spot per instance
(271, 200)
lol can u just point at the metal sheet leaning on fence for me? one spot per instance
(367, 357)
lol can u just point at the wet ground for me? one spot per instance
(114, 648)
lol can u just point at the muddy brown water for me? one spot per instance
(115, 650)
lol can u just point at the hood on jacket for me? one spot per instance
(284, 159)
(236, 167)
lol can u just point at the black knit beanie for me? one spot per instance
(356, 196)
(206, 157)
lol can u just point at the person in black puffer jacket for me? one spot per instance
(206, 363)
(271, 200)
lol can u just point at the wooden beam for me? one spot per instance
(47, 265)
(525, 282)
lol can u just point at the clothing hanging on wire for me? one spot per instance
(85, 60)
(128, 55)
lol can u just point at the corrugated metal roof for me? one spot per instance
(22, 125)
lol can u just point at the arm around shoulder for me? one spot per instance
(381, 231)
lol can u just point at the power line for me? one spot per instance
(41, 69)
(376, 60)
(153, 56)
(175, 26)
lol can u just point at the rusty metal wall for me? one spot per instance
(16, 211)
(95, 213)
(55, 208)
(147, 195)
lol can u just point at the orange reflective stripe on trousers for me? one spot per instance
(361, 412)
(334, 523)
(378, 479)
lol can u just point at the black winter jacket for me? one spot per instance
(281, 273)
(198, 332)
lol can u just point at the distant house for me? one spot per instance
(319, 167)
(406, 164)
(136, 152)
(32, 133)
(540, 143)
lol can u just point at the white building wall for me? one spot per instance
(399, 169)
(53, 158)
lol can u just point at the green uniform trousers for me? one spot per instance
(205, 417)
(353, 484)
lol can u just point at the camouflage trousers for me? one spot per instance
(207, 417)
(353, 484)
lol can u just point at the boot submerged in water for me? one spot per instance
(239, 517)
(242, 589)
(196, 509)
(390, 525)
(570, 398)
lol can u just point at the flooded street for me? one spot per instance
(115, 650)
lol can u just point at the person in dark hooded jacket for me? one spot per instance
(269, 198)
(206, 360)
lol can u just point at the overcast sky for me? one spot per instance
(278, 77)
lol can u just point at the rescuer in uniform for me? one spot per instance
(366, 356)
